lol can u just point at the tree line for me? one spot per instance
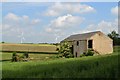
(115, 37)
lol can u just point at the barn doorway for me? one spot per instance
(76, 54)
(72, 49)
(90, 43)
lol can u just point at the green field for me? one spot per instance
(104, 66)
(34, 56)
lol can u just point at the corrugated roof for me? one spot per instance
(83, 36)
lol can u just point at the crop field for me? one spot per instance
(104, 66)
(6, 47)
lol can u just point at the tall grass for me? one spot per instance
(86, 67)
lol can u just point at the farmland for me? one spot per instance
(47, 48)
(37, 51)
(34, 56)
(105, 66)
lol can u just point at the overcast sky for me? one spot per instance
(54, 21)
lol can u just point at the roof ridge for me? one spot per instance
(81, 36)
(86, 33)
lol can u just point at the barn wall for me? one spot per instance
(82, 47)
(102, 44)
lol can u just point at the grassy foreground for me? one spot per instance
(86, 67)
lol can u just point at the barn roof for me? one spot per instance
(83, 36)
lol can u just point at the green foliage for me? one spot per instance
(88, 53)
(82, 55)
(86, 67)
(15, 57)
(57, 49)
(54, 57)
(14, 53)
(3, 42)
(26, 55)
(65, 50)
(114, 35)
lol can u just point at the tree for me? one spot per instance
(65, 50)
(3, 42)
(113, 35)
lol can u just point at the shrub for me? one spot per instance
(81, 55)
(15, 57)
(65, 50)
(14, 54)
(60, 55)
(3, 42)
(57, 49)
(26, 55)
(89, 53)
(57, 56)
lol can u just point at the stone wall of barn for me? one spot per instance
(102, 43)
(79, 47)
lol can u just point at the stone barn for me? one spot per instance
(97, 41)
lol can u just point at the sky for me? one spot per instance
(59, 0)
(49, 22)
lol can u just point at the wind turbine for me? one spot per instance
(21, 37)
(56, 39)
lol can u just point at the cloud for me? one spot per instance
(64, 22)
(11, 16)
(23, 21)
(35, 21)
(5, 27)
(25, 17)
(48, 29)
(13, 25)
(104, 26)
(114, 10)
(71, 8)
(62, 26)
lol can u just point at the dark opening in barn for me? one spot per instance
(76, 54)
(72, 49)
(77, 43)
(90, 44)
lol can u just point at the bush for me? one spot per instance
(26, 55)
(14, 54)
(88, 53)
(57, 56)
(57, 49)
(15, 57)
(65, 50)
(81, 55)
(3, 42)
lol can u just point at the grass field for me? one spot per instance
(34, 56)
(105, 66)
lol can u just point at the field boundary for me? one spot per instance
(31, 52)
